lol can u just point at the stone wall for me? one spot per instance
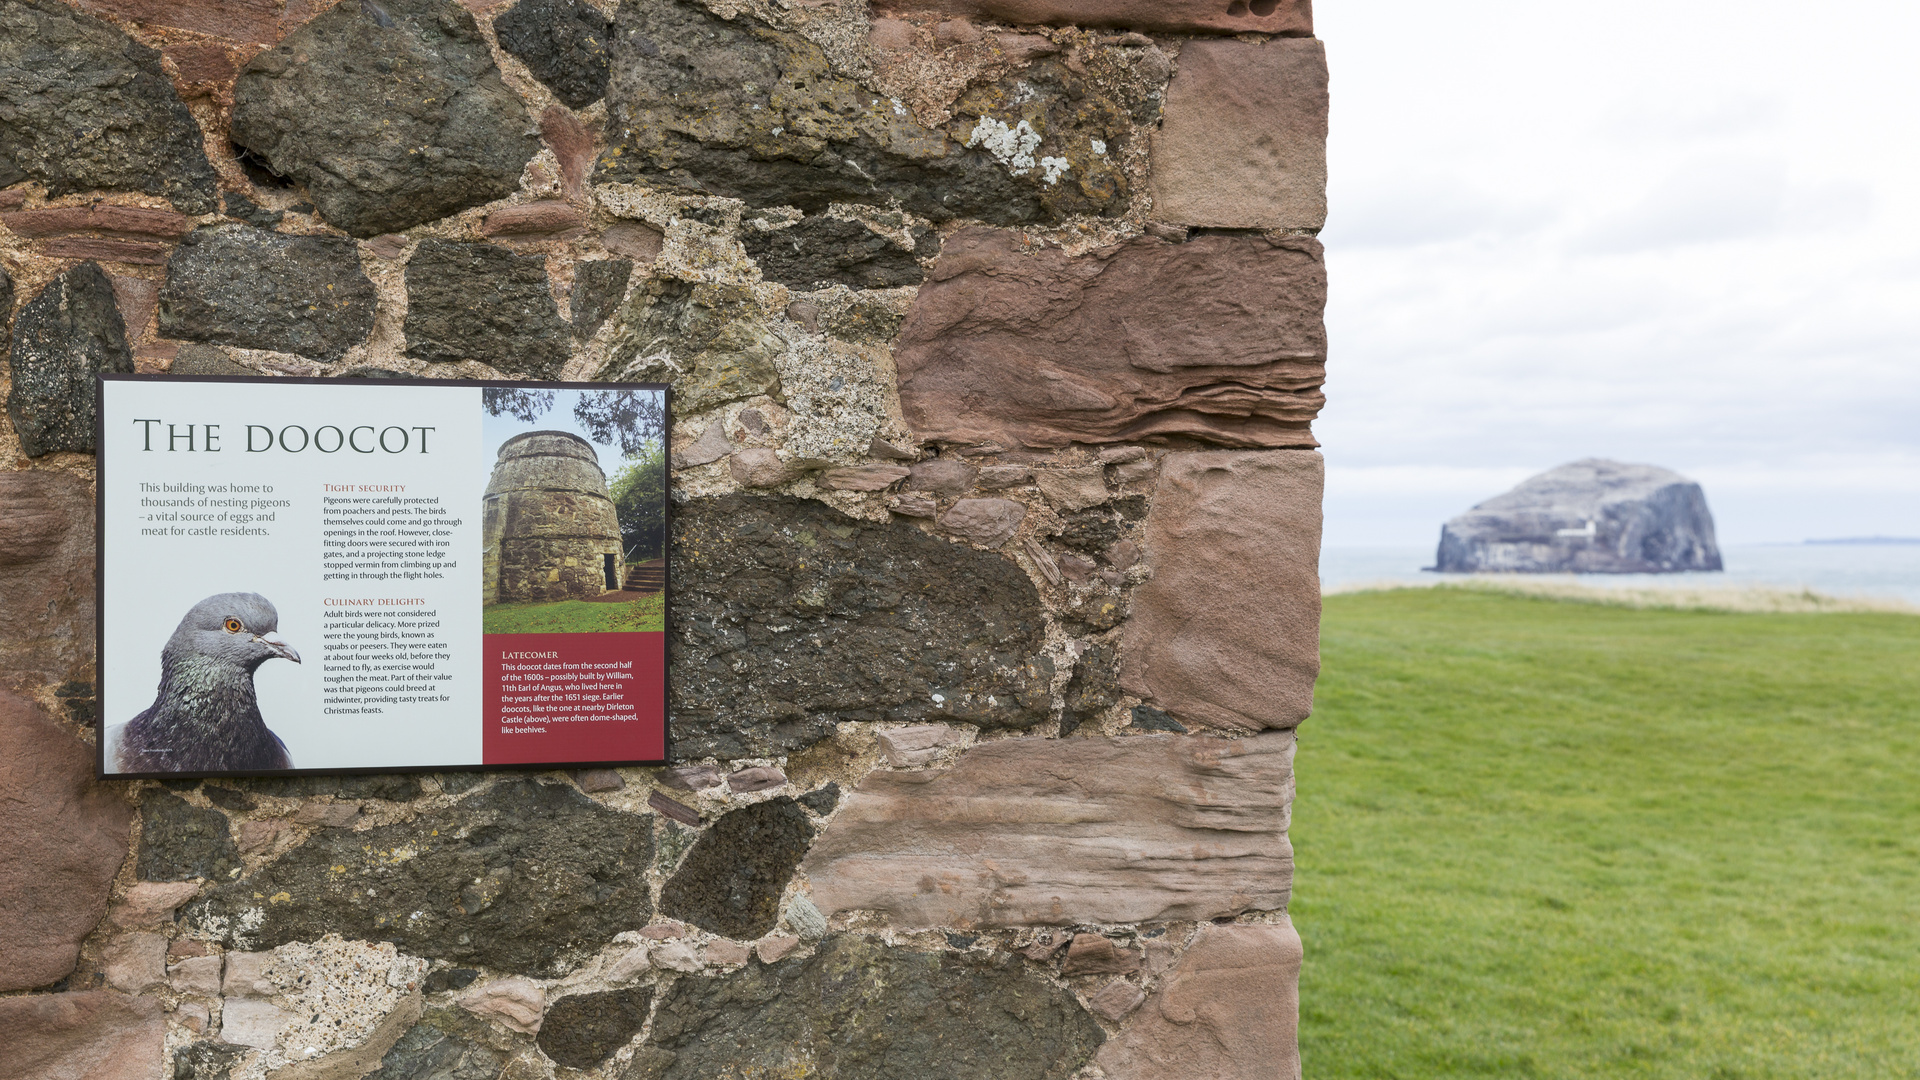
(995, 332)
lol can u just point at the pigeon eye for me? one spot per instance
(233, 626)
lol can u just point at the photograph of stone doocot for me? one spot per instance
(548, 522)
(976, 347)
(573, 520)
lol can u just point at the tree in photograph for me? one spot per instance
(525, 406)
(630, 418)
(633, 418)
(639, 492)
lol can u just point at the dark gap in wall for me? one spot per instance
(257, 169)
(1195, 234)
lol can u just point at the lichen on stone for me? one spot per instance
(736, 107)
(713, 342)
(731, 882)
(791, 616)
(522, 877)
(858, 1009)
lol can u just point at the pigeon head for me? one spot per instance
(231, 628)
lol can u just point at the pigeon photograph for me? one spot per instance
(205, 716)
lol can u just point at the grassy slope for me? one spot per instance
(1540, 838)
(576, 617)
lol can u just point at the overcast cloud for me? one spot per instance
(1684, 233)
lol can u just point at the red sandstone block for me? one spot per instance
(532, 219)
(1243, 140)
(1290, 17)
(1218, 339)
(130, 221)
(982, 843)
(202, 64)
(572, 146)
(98, 1035)
(121, 251)
(137, 298)
(1227, 631)
(1229, 1011)
(66, 835)
(236, 20)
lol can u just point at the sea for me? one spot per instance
(1863, 569)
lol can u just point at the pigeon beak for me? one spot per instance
(280, 648)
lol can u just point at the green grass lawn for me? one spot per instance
(1548, 839)
(576, 617)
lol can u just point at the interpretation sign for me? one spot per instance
(331, 575)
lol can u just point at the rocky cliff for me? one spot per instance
(1588, 517)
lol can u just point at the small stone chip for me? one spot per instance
(711, 446)
(150, 902)
(135, 962)
(678, 811)
(1116, 999)
(634, 963)
(762, 468)
(514, 1002)
(1133, 470)
(941, 476)
(1073, 489)
(1092, 954)
(987, 522)
(1148, 718)
(863, 477)
(881, 448)
(676, 956)
(821, 800)
(1045, 945)
(1004, 476)
(918, 506)
(196, 975)
(326, 815)
(774, 947)
(595, 780)
(916, 745)
(451, 978)
(1048, 568)
(758, 778)
(691, 777)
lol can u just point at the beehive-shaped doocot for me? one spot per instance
(548, 523)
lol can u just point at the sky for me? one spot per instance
(1684, 233)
